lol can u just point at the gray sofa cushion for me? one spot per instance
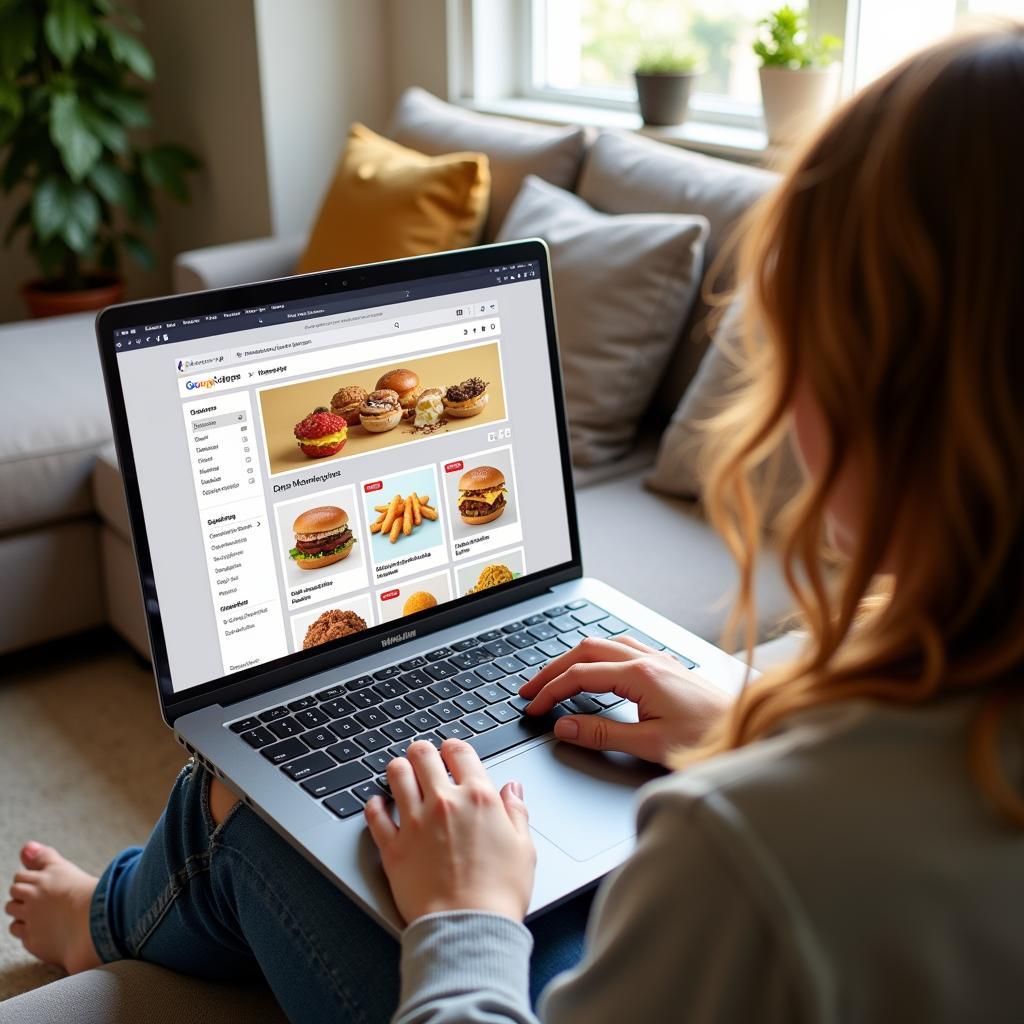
(624, 287)
(515, 149)
(626, 173)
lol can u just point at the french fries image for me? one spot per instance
(417, 515)
(396, 529)
(407, 515)
(400, 516)
(428, 513)
(390, 514)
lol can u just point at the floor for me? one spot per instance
(85, 762)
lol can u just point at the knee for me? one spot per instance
(222, 800)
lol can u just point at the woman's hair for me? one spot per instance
(884, 278)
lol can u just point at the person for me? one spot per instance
(844, 841)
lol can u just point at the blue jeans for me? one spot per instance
(235, 901)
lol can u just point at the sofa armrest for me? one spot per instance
(219, 266)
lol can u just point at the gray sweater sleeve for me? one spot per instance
(676, 934)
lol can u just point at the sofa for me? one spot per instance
(64, 534)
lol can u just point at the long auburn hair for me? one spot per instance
(886, 276)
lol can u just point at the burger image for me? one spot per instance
(380, 411)
(406, 384)
(466, 399)
(346, 402)
(332, 625)
(322, 537)
(481, 495)
(321, 433)
(429, 409)
(419, 602)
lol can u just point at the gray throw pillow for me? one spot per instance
(623, 288)
(680, 465)
(514, 148)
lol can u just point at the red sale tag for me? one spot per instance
(375, 485)
(389, 595)
(453, 467)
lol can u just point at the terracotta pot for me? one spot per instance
(664, 98)
(43, 300)
(796, 101)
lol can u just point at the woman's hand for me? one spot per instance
(675, 705)
(459, 844)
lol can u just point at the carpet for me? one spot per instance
(85, 765)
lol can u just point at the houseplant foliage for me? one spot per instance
(72, 93)
(664, 80)
(798, 73)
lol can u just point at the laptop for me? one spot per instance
(352, 507)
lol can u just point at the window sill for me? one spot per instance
(745, 145)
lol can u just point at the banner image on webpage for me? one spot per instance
(415, 596)
(321, 546)
(482, 495)
(338, 620)
(494, 571)
(342, 415)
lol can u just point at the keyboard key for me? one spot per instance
(467, 680)
(489, 673)
(371, 717)
(378, 761)
(373, 740)
(364, 698)
(491, 634)
(570, 638)
(649, 641)
(422, 721)
(510, 664)
(688, 662)
(344, 805)
(311, 718)
(588, 613)
(512, 627)
(408, 666)
(311, 764)
(317, 738)
(445, 690)
(594, 629)
(551, 648)
(441, 652)
(553, 613)
(387, 673)
(358, 683)
(581, 704)
(432, 738)
(522, 639)
(530, 656)
(511, 684)
(400, 749)
(422, 698)
(398, 731)
(505, 737)
(542, 632)
(286, 750)
(331, 692)
(572, 605)
(415, 679)
(366, 791)
(441, 670)
(274, 714)
(397, 708)
(344, 751)
(391, 688)
(464, 645)
(490, 693)
(302, 703)
(455, 731)
(345, 728)
(606, 700)
(499, 648)
(337, 778)
(468, 702)
(503, 712)
(614, 626)
(563, 623)
(285, 727)
(534, 620)
(479, 722)
(519, 703)
(258, 737)
(466, 660)
(447, 712)
(244, 725)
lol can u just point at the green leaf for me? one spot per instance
(140, 252)
(111, 183)
(10, 99)
(49, 207)
(129, 51)
(70, 211)
(17, 40)
(127, 105)
(167, 166)
(69, 28)
(108, 131)
(79, 148)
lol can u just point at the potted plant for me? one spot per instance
(664, 80)
(799, 74)
(71, 93)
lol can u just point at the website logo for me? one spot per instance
(390, 641)
(212, 382)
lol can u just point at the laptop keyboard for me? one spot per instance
(335, 744)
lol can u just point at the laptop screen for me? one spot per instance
(312, 470)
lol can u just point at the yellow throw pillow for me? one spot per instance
(387, 202)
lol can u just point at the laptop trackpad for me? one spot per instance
(583, 802)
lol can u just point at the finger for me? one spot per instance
(404, 787)
(382, 829)
(463, 762)
(512, 797)
(428, 766)
(641, 739)
(600, 677)
(590, 649)
(631, 641)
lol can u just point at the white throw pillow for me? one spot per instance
(624, 286)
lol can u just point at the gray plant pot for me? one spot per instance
(664, 98)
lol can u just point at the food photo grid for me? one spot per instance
(416, 595)
(493, 571)
(320, 546)
(343, 617)
(343, 415)
(481, 491)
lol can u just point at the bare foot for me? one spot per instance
(50, 906)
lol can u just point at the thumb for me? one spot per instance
(598, 733)
(512, 797)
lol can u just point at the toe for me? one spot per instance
(17, 929)
(26, 878)
(22, 892)
(35, 855)
(15, 909)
